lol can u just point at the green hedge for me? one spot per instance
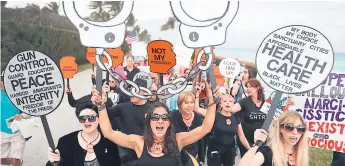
(56, 43)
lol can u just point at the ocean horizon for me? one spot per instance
(250, 54)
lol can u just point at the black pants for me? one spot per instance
(218, 154)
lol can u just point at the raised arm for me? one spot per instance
(187, 138)
(236, 108)
(197, 109)
(253, 157)
(128, 141)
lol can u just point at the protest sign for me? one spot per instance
(324, 110)
(219, 78)
(198, 51)
(68, 66)
(161, 57)
(116, 54)
(293, 59)
(34, 83)
(91, 55)
(145, 76)
(229, 67)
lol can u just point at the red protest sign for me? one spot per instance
(160, 56)
(68, 66)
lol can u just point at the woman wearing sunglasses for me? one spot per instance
(87, 146)
(221, 145)
(287, 143)
(159, 146)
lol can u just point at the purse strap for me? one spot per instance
(194, 161)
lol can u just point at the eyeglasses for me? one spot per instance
(289, 127)
(90, 118)
(156, 117)
(171, 79)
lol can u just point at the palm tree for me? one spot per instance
(54, 7)
(3, 3)
(100, 14)
(34, 12)
(115, 8)
(170, 24)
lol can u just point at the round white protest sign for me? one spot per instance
(229, 67)
(145, 76)
(34, 83)
(294, 59)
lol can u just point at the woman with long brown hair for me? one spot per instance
(287, 144)
(249, 111)
(159, 145)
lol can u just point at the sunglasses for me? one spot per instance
(289, 127)
(90, 118)
(156, 117)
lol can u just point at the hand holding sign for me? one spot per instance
(35, 85)
(293, 59)
(68, 67)
(160, 56)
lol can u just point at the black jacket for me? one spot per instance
(72, 154)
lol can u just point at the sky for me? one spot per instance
(254, 21)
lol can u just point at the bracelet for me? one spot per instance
(100, 107)
(211, 104)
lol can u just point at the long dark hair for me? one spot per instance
(256, 84)
(170, 144)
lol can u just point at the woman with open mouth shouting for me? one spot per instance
(221, 146)
(86, 147)
(159, 146)
(287, 143)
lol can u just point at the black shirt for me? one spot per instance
(180, 126)
(223, 132)
(338, 159)
(130, 74)
(131, 117)
(147, 160)
(268, 155)
(72, 153)
(251, 117)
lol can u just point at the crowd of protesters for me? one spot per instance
(187, 129)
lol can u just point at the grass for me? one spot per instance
(320, 157)
(84, 67)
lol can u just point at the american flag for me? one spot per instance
(131, 37)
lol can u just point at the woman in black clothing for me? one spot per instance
(87, 146)
(160, 145)
(287, 144)
(251, 116)
(185, 120)
(221, 146)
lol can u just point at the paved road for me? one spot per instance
(61, 122)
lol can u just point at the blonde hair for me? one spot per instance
(276, 141)
(183, 96)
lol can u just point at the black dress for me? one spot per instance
(72, 154)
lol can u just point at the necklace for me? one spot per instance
(187, 118)
(89, 146)
(157, 147)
